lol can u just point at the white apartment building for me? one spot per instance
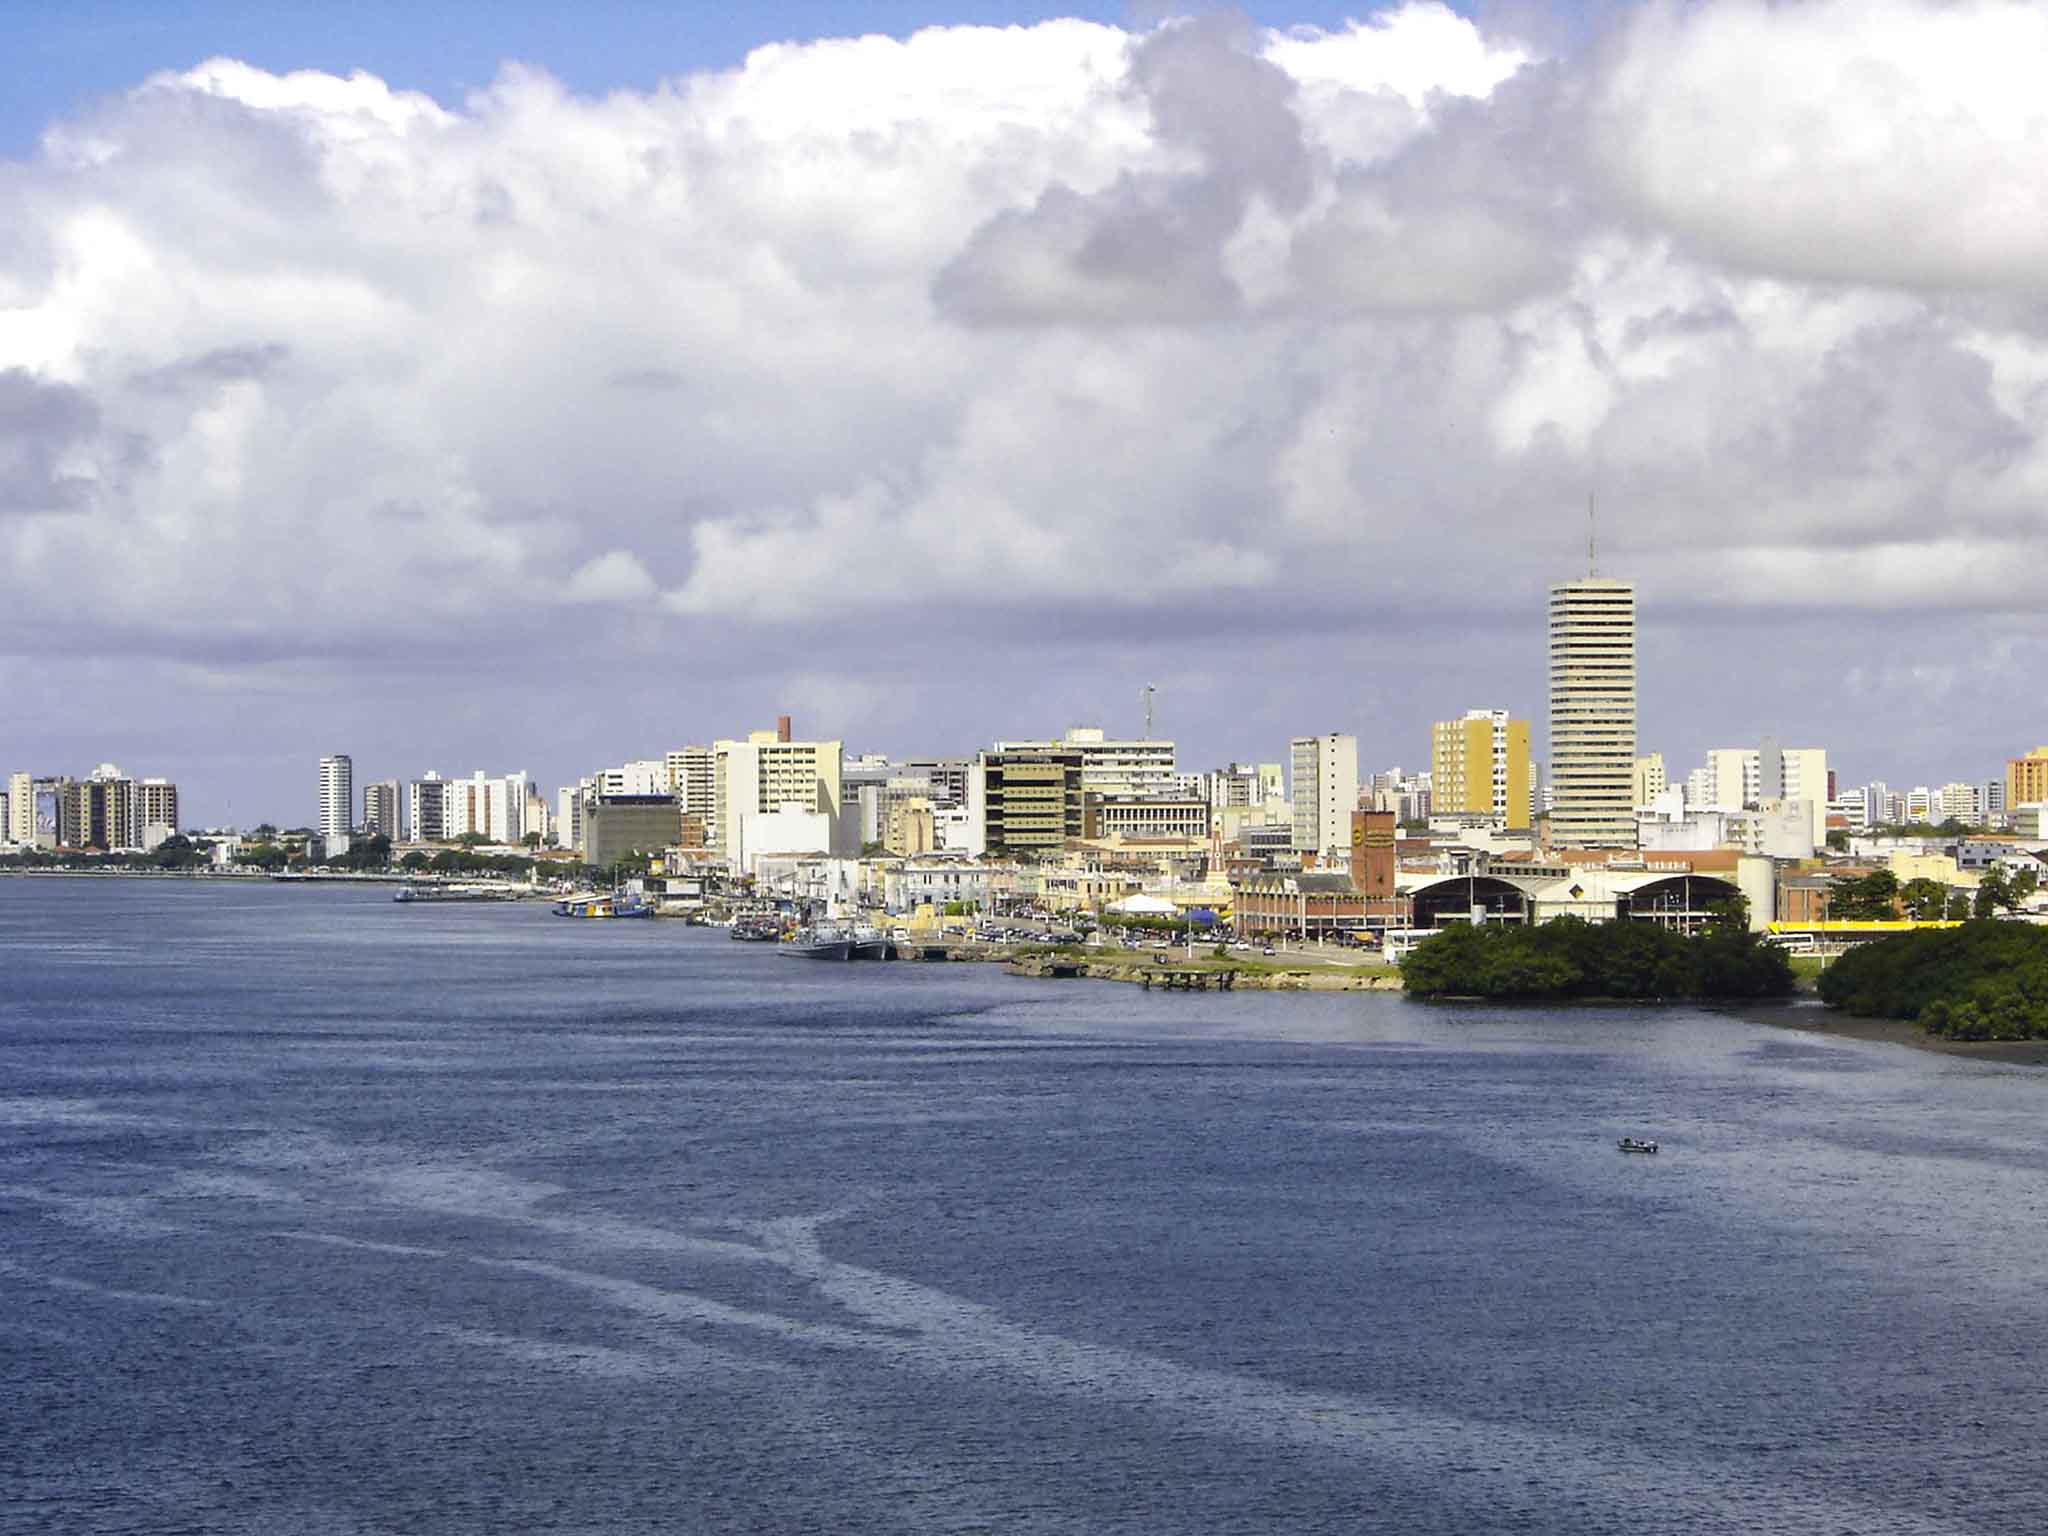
(647, 776)
(1963, 802)
(1592, 713)
(337, 796)
(494, 808)
(692, 779)
(764, 774)
(1325, 791)
(1747, 776)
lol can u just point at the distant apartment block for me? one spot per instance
(1480, 766)
(1325, 787)
(337, 796)
(383, 807)
(2026, 779)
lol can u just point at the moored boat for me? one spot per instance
(819, 942)
(605, 904)
(870, 943)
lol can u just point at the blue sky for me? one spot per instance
(67, 53)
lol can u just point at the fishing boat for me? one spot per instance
(820, 941)
(755, 930)
(605, 904)
(1632, 1144)
(870, 943)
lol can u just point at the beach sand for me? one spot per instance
(1811, 1020)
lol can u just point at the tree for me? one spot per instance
(1994, 893)
(1926, 901)
(414, 861)
(531, 840)
(176, 852)
(1866, 899)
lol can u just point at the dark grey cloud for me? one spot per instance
(40, 426)
(220, 365)
(1148, 249)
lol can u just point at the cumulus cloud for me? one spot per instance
(1067, 341)
(1890, 141)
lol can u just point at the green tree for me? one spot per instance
(1867, 898)
(1994, 894)
(1925, 900)
(531, 840)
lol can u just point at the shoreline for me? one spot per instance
(1821, 1020)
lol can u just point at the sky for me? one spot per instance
(479, 387)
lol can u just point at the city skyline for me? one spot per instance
(938, 384)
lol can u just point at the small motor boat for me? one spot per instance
(1631, 1144)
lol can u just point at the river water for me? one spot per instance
(323, 1214)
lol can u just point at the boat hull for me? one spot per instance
(824, 949)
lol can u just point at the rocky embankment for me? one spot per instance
(1204, 979)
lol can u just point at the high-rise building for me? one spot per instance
(383, 804)
(1115, 769)
(1592, 713)
(491, 808)
(1958, 802)
(156, 812)
(767, 773)
(21, 808)
(1650, 780)
(947, 777)
(2026, 779)
(692, 778)
(427, 808)
(1480, 766)
(1325, 786)
(1025, 800)
(98, 811)
(337, 796)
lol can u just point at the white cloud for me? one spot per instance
(1881, 141)
(1089, 335)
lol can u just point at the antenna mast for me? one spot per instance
(1592, 563)
(1146, 695)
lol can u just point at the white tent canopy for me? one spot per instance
(1144, 906)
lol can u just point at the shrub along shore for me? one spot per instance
(1986, 980)
(1572, 960)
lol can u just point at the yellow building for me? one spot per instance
(2026, 779)
(1938, 867)
(1650, 780)
(1480, 766)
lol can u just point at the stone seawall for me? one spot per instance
(1193, 978)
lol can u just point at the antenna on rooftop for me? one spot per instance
(1592, 561)
(1146, 695)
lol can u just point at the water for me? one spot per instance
(323, 1214)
